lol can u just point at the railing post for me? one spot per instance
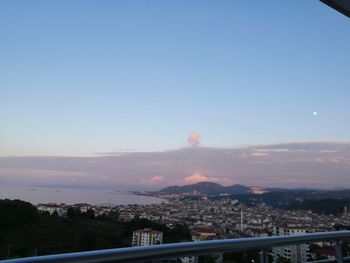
(263, 256)
(338, 252)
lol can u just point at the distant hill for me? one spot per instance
(255, 194)
(206, 188)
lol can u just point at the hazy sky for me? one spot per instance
(313, 165)
(86, 77)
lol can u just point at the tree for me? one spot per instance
(73, 212)
(55, 213)
(182, 233)
(113, 216)
(89, 214)
(87, 241)
(16, 212)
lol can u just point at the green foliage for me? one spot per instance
(73, 212)
(181, 233)
(16, 212)
(323, 206)
(113, 216)
(25, 231)
(89, 214)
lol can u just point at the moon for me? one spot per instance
(315, 113)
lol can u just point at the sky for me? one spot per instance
(80, 78)
(84, 79)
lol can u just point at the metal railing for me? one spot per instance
(176, 250)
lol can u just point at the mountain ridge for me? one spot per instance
(206, 188)
(253, 194)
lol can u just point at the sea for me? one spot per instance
(37, 195)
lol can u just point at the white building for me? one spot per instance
(192, 259)
(295, 253)
(146, 237)
(52, 208)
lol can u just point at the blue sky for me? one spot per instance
(86, 77)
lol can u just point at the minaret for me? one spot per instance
(241, 219)
(345, 211)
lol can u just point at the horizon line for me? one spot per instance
(200, 146)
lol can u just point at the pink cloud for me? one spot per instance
(256, 154)
(156, 179)
(193, 139)
(153, 180)
(197, 177)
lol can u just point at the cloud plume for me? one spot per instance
(193, 139)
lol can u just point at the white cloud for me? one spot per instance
(197, 177)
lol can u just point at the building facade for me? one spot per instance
(146, 237)
(293, 254)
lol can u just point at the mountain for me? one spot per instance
(317, 200)
(206, 188)
(238, 189)
(255, 194)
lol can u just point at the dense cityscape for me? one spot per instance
(226, 218)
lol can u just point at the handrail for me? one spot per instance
(132, 254)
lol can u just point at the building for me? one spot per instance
(293, 254)
(146, 237)
(60, 209)
(192, 259)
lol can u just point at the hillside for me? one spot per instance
(206, 188)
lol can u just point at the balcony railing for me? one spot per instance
(176, 250)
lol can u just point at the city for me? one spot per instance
(227, 218)
(174, 131)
